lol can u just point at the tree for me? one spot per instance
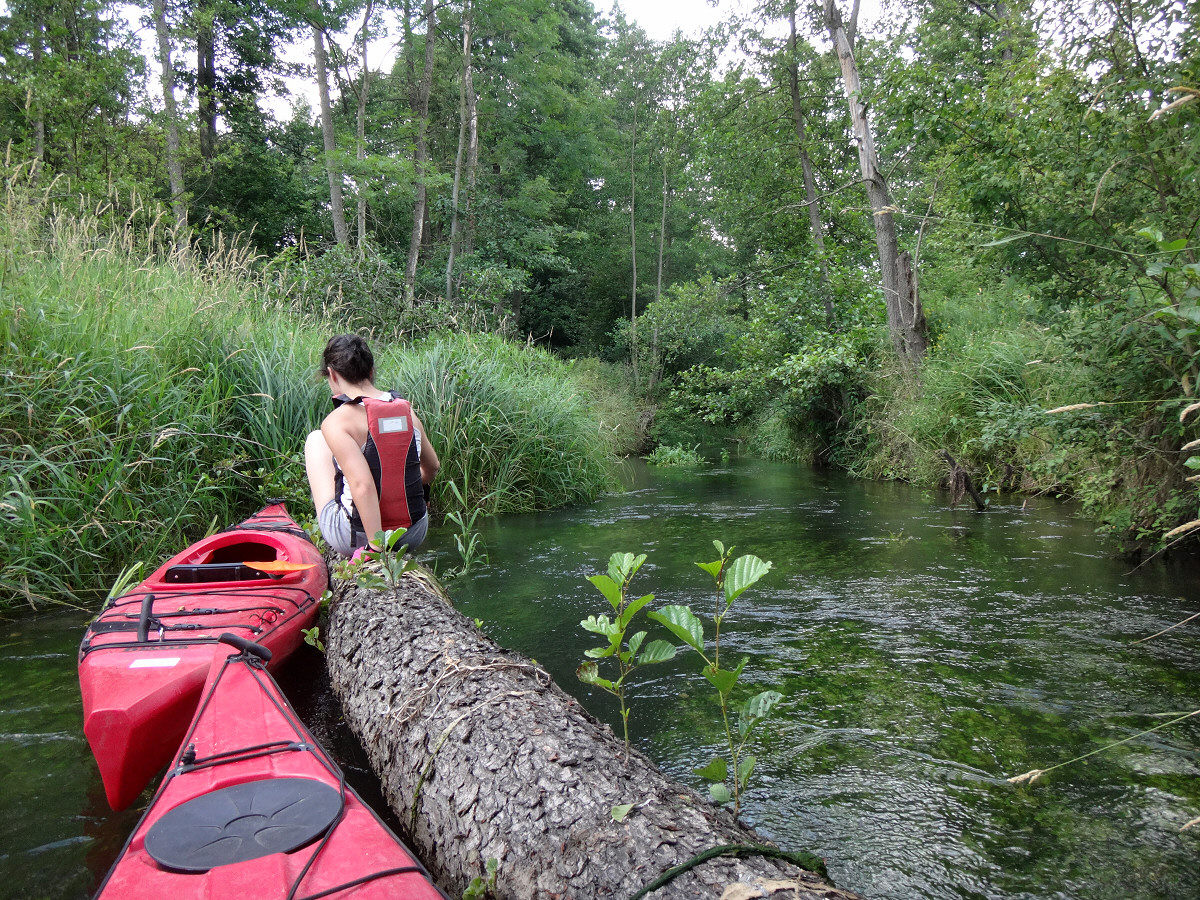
(906, 317)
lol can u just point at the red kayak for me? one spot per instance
(144, 659)
(253, 807)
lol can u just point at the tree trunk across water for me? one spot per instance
(484, 757)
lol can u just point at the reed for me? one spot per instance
(152, 395)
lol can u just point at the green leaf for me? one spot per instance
(589, 673)
(744, 572)
(599, 652)
(623, 566)
(636, 641)
(1192, 462)
(657, 651)
(608, 588)
(745, 767)
(1174, 246)
(719, 793)
(682, 623)
(722, 679)
(717, 770)
(712, 568)
(600, 625)
(621, 811)
(759, 706)
(632, 608)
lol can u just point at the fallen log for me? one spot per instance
(483, 757)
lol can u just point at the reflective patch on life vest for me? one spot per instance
(392, 424)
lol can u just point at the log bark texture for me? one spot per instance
(484, 757)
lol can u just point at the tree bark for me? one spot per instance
(483, 757)
(361, 125)
(174, 155)
(206, 81)
(422, 153)
(633, 348)
(810, 185)
(341, 233)
(464, 115)
(905, 315)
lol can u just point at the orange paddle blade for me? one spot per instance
(278, 566)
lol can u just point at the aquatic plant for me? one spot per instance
(615, 587)
(731, 579)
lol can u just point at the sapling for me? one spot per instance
(732, 579)
(390, 562)
(614, 586)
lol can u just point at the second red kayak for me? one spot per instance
(144, 659)
(253, 807)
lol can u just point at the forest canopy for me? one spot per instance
(967, 228)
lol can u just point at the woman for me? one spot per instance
(369, 463)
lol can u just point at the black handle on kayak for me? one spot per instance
(144, 618)
(246, 646)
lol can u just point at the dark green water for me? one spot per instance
(926, 654)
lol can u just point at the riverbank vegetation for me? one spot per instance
(963, 229)
(153, 395)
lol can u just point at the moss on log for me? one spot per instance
(484, 757)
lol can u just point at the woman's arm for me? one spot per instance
(429, 458)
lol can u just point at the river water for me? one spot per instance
(925, 653)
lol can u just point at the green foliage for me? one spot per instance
(481, 886)
(626, 654)
(381, 569)
(676, 457)
(467, 540)
(732, 579)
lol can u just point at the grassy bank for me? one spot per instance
(152, 396)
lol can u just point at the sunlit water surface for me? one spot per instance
(925, 653)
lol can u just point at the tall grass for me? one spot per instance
(151, 396)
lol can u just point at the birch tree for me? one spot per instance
(905, 315)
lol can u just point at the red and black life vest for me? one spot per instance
(393, 455)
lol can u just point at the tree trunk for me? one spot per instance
(662, 228)
(810, 186)
(361, 125)
(472, 165)
(39, 112)
(633, 348)
(463, 115)
(341, 233)
(174, 160)
(206, 82)
(906, 318)
(483, 757)
(420, 160)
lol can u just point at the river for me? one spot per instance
(925, 653)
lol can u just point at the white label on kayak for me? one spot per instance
(393, 424)
(164, 663)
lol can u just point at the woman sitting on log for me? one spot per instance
(370, 464)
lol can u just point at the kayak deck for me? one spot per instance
(253, 806)
(144, 659)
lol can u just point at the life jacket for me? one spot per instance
(392, 452)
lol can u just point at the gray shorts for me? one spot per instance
(335, 527)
